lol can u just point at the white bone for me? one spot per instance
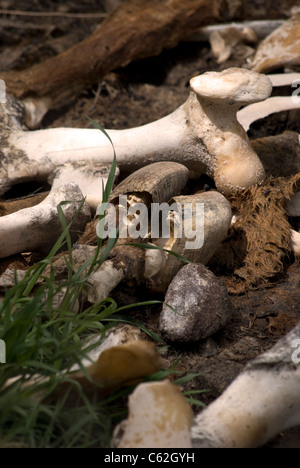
(262, 402)
(203, 134)
(90, 177)
(39, 227)
(284, 79)
(159, 417)
(260, 110)
(261, 28)
(295, 242)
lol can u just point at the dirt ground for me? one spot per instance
(142, 92)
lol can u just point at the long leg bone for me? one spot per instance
(203, 134)
(38, 228)
(16, 167)
(259, 404)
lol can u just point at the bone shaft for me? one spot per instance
(261, 28)
(259, 404)
(158, 140)
(260, 110)
(38, 227)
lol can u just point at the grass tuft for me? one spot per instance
(45, 338)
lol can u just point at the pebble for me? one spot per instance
(202, 304)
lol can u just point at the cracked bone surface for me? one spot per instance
(262, 402)
(189, 227)
(155, 183)
(156, 267)
(38, 227)
(203, 134)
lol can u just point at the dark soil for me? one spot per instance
(143, 92)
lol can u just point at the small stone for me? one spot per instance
(202, 304)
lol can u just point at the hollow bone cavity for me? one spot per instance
(203, 134)
(159, 267)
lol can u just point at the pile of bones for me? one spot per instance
(206, 135)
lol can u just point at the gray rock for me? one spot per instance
(202, 304)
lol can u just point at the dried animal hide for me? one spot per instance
(260, 240)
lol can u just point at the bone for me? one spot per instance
(203, 133)
(118, 366)
(123, 365)
(102, 282)
(210, 231)
(154, 183)
(295, 236)
(125, 263)
(262, 402)
(89, 176)
(236, 166)
(168, 415)
(156, 267)
(280, 49)
(284, 79)
(37, 228)
(231, 41)
(19, 167)
(254, 112)
(261, 28)
(118, 335)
